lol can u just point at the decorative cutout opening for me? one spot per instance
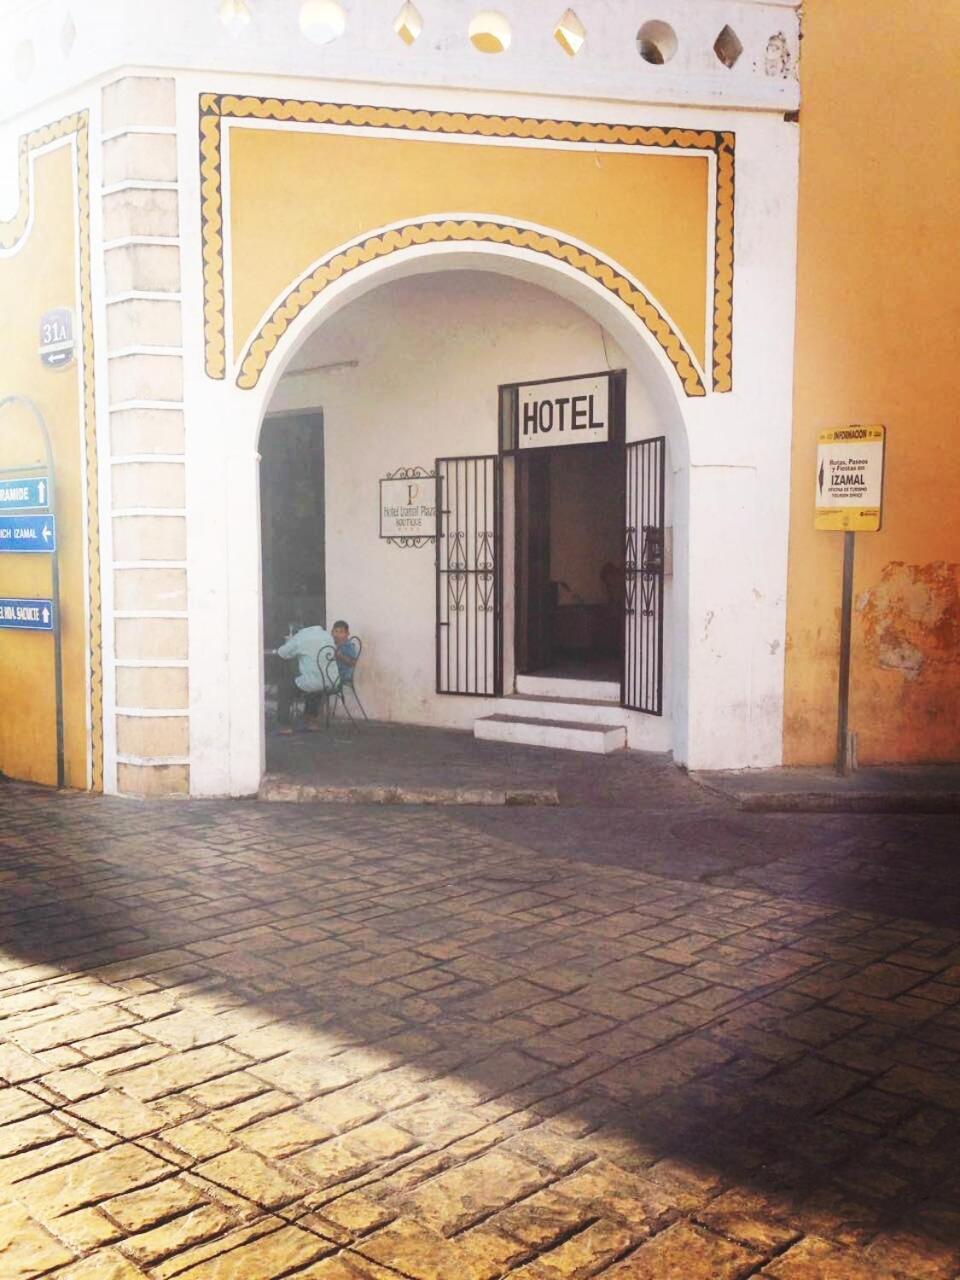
(322, 21)
(408, 24)
(235, 15)
(68, 36)
(656, 42)
(490, 32)
(727, 47)
(25, 60)
(570, 33)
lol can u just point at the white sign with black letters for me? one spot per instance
(408, 505)
(569, 411)
(56, 338)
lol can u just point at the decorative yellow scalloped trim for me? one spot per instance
(213, 108)
(12, 233)
(469, 230)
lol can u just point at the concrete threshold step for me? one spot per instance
(277, 788)
(568, 710)
(562, 735)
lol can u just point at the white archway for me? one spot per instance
(248, 409)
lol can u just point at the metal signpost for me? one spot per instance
(849, 499)
(36, 534)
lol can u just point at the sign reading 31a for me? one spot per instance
(850, 479)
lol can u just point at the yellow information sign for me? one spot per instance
(850, 479)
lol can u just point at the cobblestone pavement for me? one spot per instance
(243, 1041)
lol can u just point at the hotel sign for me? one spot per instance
(849, 490)
(571, 411)
(408, 507)
(584, 409)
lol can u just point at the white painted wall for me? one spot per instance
(430, 352)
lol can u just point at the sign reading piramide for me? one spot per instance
(850, 479)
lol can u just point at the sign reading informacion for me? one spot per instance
(850, 479)
(408, 506)
(24, 494)
(56, 338)
(28, 533)
(26, 615)
(569, 411)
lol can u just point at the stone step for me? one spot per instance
(562, 735)
(577, 710)
(569, 690)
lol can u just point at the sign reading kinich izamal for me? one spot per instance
(28, 533)
(568, 411)
(849, 488)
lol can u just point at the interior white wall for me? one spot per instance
(416, 368)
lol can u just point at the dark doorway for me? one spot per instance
(570, 562)
(292, 524)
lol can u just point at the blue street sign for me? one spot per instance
(23, 493)
(26, 615)
(28, 533)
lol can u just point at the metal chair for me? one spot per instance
(347, 684)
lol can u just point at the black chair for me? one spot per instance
(346, 683)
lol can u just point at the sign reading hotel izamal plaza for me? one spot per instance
(850, 479)
(569, 411)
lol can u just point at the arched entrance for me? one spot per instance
(444, 329)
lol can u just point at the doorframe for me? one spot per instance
(508, 429)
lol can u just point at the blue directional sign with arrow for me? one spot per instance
(28, 533)
(26, 615)
(23, 494)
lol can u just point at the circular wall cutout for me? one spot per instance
(490, 32)
(656, 42)
(322, 21)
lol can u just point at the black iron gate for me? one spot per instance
(469, 587)
(643, 579)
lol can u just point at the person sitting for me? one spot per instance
(305, 646)
(348, 650)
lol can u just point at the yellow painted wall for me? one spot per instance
(39, 274)
(296, 196)
(878, 340)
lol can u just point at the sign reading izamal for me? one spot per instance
(23, 494)
(569, 411)
(26, 615)
(850, 479)
(408, 507)
(28, 533)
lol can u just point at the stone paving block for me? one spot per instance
(73, 1027)
(540, 1220)
(304, 1075)
(74, 1083)
(140, 1210)
(120, 1114)
(92, 1180)
(816, 1259)
(266, 1103)
(284, 1134)
(18, 1104)
(17, 1066)
(758, 1221)
(87, 1229)
(227, 1090)
(106, 1264)
(147, 1248)
(26, 1249)
(178, 1071)
(269, 1256)
(23, 1135)
(249, 1175)
(472, 1191)
(688, 1251)
(417, 1251)
(352, 1154)
(28, 1164)
(611, 1192)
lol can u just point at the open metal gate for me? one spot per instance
(643, 580)
(469, 587)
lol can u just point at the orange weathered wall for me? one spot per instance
(878, 341)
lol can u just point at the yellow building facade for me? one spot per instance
(878, 340)
(226, 231)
